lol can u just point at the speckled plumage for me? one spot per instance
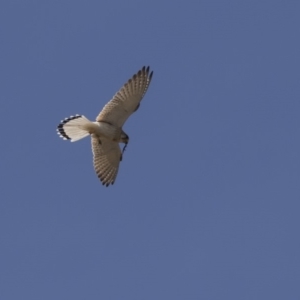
(106, 132)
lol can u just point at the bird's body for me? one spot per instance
(107, 132)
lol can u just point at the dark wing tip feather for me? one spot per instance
(104, 182)
(150, 76)
(147, 70)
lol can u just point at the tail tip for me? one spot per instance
(61, 133)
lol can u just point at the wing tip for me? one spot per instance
(147, 70)
(106, 184)
(150, 76)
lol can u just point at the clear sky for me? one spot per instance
(206, 203)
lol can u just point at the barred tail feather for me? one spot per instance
(74, 128)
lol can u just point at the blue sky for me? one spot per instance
(206, 203)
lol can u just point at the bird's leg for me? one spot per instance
(124, 148)
(125, 145)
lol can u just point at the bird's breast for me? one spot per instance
(107, 130)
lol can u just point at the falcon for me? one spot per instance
(106, 133)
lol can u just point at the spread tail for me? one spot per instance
(74, 128)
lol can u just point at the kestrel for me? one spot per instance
(106, 133)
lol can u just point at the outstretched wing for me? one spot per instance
(107, 155)
(127, 99)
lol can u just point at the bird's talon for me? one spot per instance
(124, 148)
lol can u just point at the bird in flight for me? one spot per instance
(106, 133)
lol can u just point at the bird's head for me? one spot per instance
(124, 138)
